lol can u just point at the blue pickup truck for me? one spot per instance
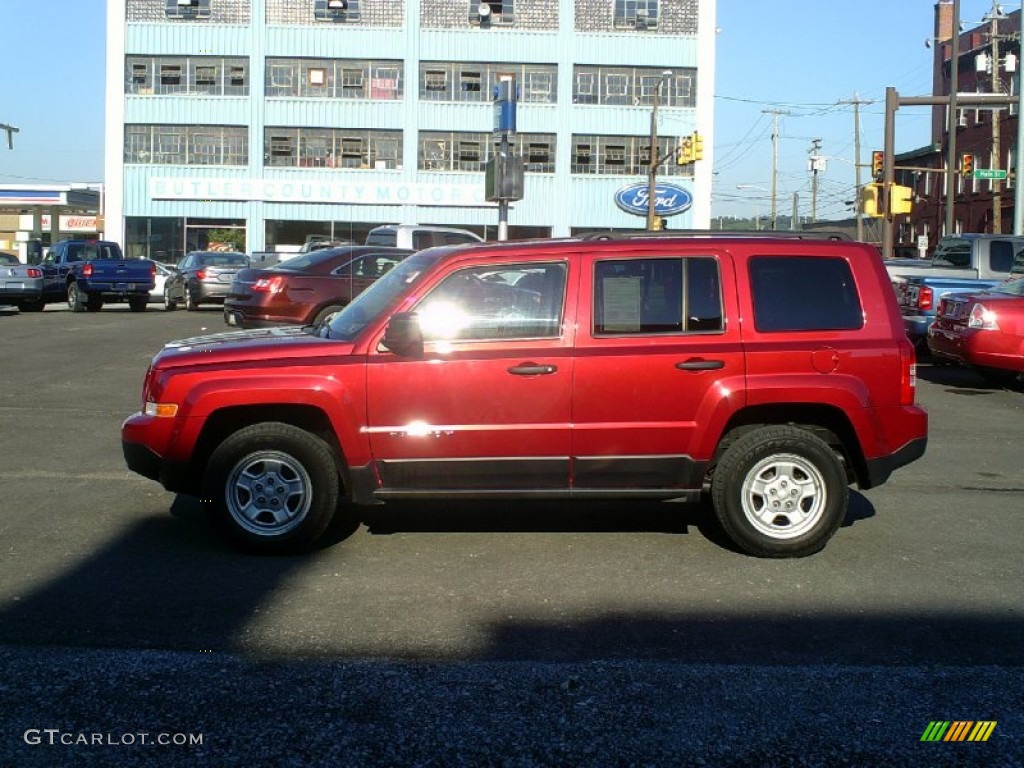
(967, 262)
(87, 273)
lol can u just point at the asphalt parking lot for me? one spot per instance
(518, 635)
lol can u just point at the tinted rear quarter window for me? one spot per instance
(1000, 256)
(799, 293)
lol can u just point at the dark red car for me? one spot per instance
(307, 289)
(983, 329)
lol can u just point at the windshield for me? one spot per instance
(1011, 287)
(369, 304)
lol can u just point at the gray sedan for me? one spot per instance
(202, 277)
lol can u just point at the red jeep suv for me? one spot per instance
(770, 373)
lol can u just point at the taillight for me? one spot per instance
(982, 318)
(201, 274)
(152, 270)
(908, 372)
(925, 298)
(269, 284)
(87, 270)
(33, 272)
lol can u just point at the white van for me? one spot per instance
(418, 237)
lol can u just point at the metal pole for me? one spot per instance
(888, 170)
(856, 163)
(1018, 187)
(954, 84)
(997, 198)
(775, 170)
(652, 170)
(503, 203)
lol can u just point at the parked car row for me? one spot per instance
(983, 329)
(84, 273)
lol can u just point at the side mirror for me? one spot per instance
(403, 335)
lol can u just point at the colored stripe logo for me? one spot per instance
(958, 730)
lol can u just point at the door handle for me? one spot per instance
(532, 369)
(700, 364)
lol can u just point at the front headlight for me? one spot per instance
(162, 410)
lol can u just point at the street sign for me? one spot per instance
(989, 173)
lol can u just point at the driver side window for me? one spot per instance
(496, 302)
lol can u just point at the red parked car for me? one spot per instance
(307, 289)
(983, 329)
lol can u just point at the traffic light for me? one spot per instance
(658, 223)
(877, 164)
(967, 166)
(684, 151)
(900, 199)
(869, 200)
(698, 146)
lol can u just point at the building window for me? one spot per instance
(188, 9)
(332, 148)
(170, 78)
(444, 151)
(336, 10)
(470, 82)
(636, 14)
(634, 86)
(186, 144)
(334, 78)
(208, 75)
(435, 81)
(352, 83)
(475, 81)
(622, 155)
(484, 13)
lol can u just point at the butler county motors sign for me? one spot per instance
(668, 199)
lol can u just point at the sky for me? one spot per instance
(801, 58)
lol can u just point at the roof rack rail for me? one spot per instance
(809, 234)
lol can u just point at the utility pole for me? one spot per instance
(775, 163)
(856, 159)
(655, 160)
(951, 123)
(11, 130)
(997, 197)
(815, 146)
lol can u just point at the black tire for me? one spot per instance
(780, 491)
(296, 472)
(169, 304)
(138, 303)
(326, 312)
(76, 299)
(32, 306)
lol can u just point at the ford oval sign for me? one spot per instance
(669, 199)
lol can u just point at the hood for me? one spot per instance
(281, 345)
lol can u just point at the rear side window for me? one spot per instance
(657, 296)
(795, 293)
(1001, 256)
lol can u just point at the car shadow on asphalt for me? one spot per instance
(963, 380)
(567, 517)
